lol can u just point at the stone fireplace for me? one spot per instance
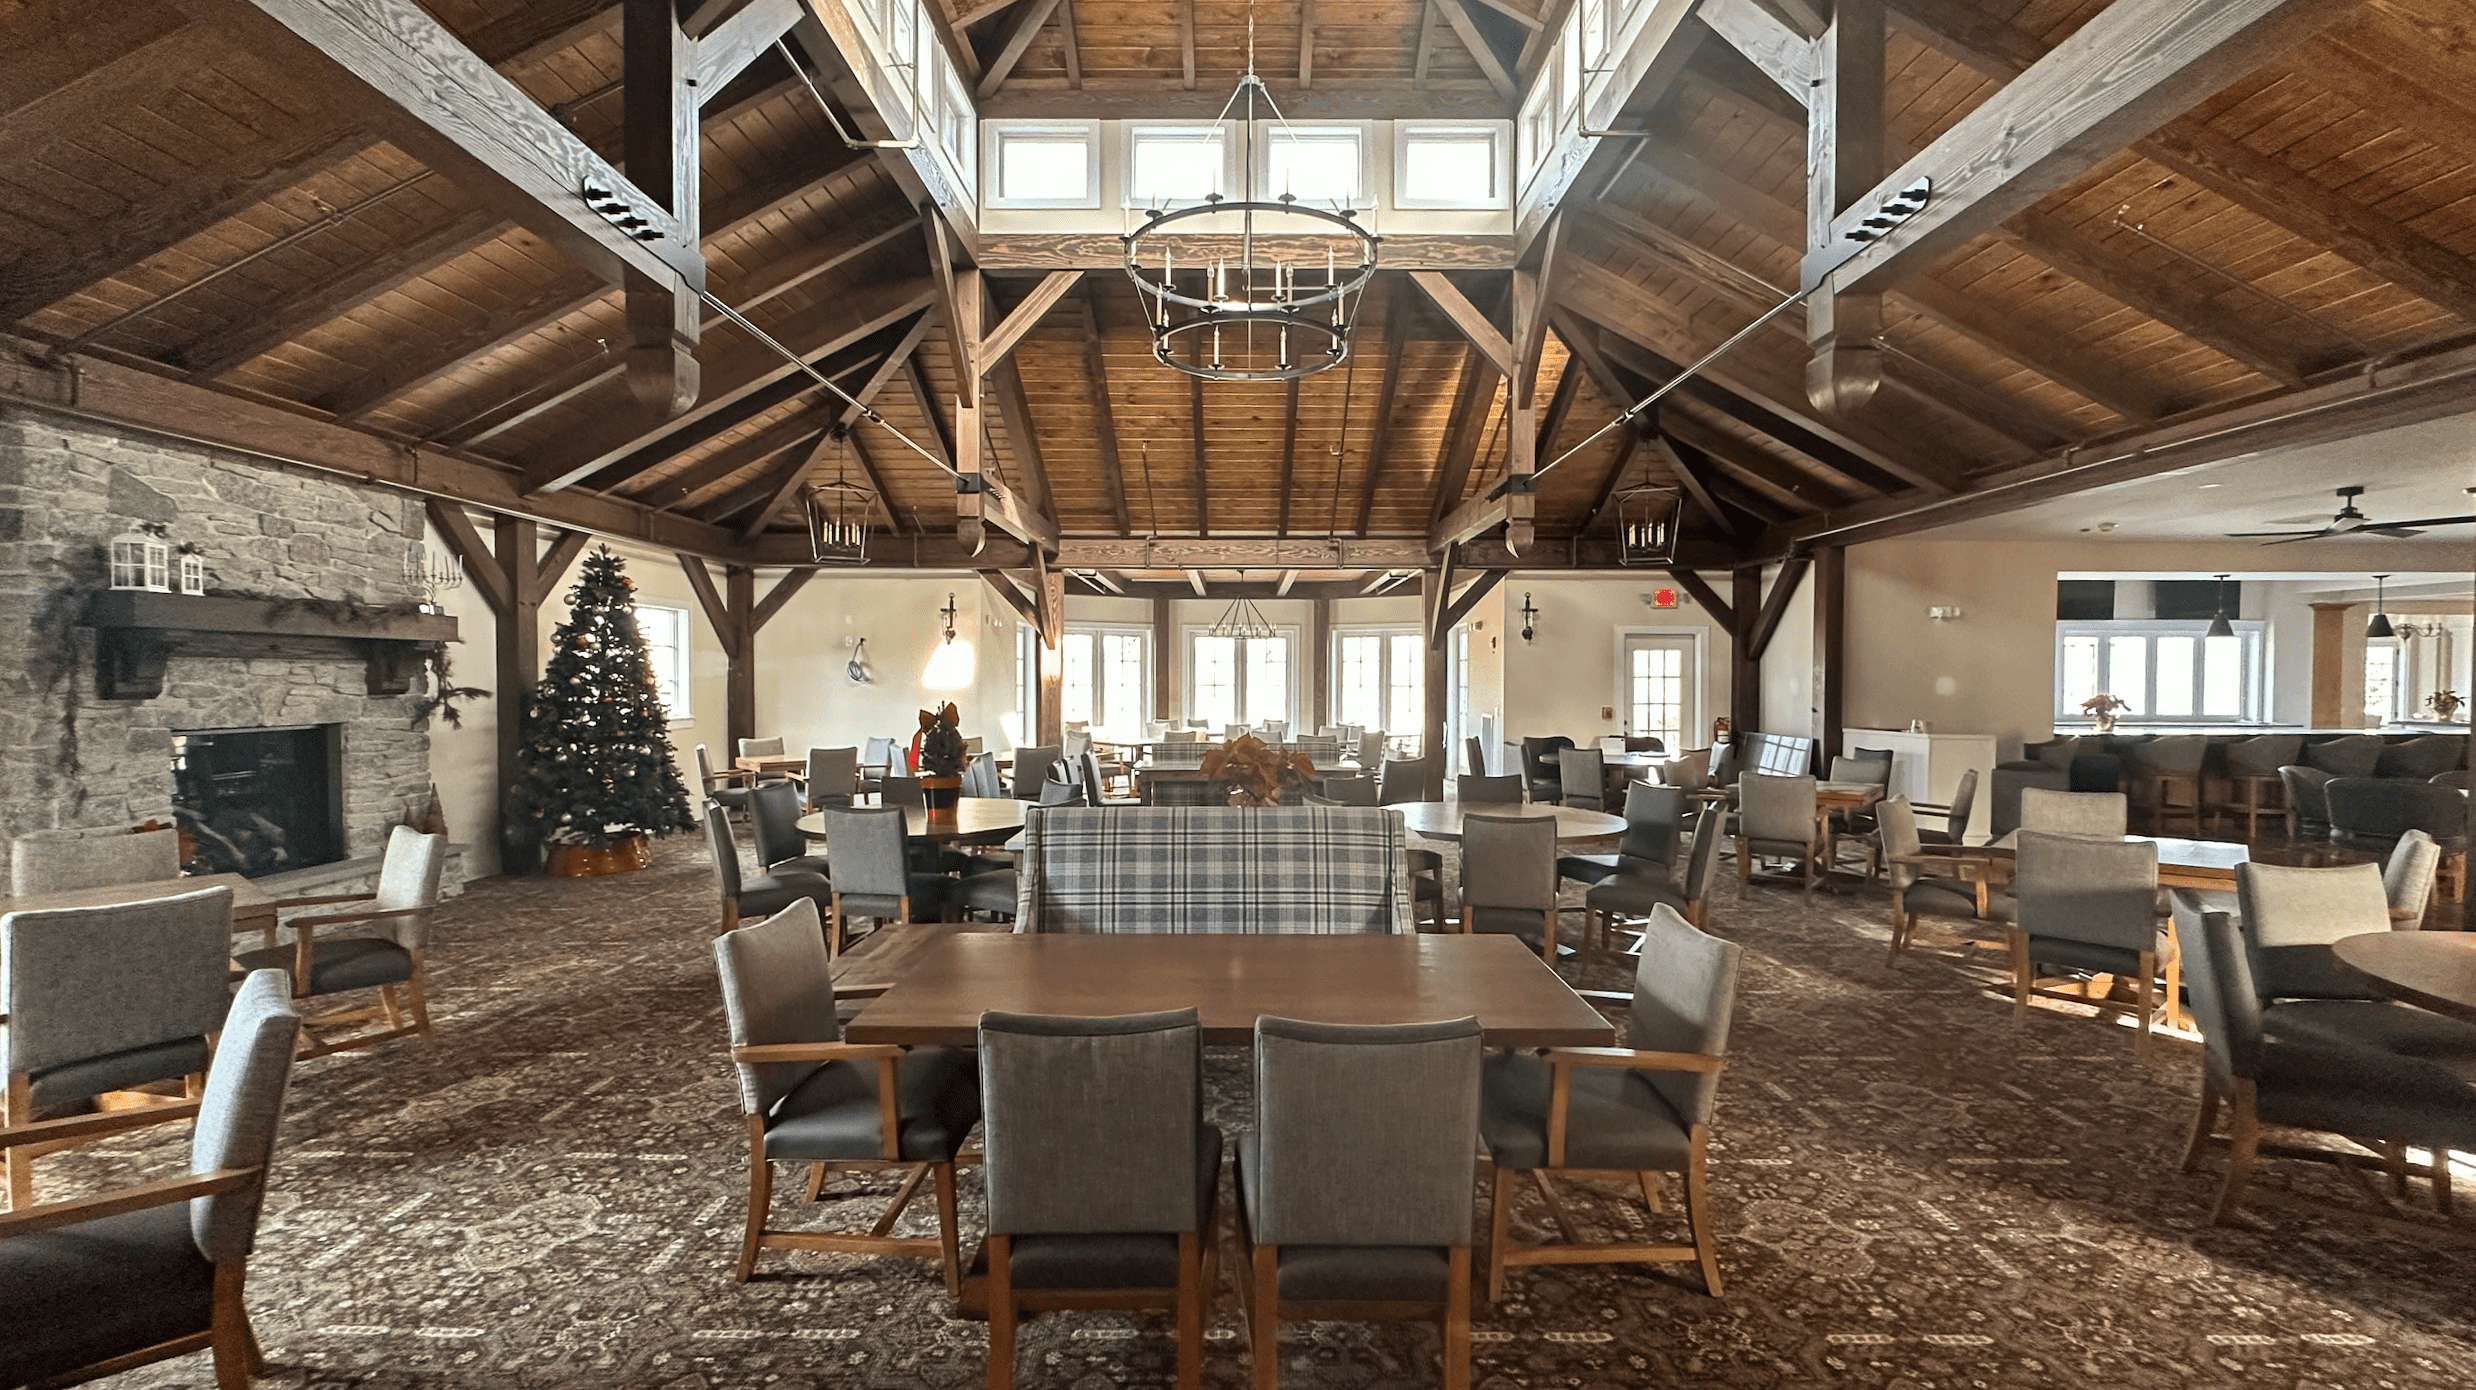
(84, 748)
(259, 801)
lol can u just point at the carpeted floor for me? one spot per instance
(1913, 1191)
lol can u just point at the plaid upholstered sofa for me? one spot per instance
(1214, 870)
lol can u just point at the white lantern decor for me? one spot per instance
(142, 559)
(193, 569)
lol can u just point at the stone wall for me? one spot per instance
(69, 760)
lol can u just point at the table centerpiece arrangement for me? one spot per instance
(941, 760)
(1257, 773)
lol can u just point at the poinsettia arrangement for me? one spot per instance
(1256, 770)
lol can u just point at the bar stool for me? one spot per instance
(2168, 765)
(2254, 788)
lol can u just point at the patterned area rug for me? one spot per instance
(1912, 1189)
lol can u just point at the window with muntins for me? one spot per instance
(666, 633)
(2164, 672)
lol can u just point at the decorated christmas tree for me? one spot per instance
(598, 772)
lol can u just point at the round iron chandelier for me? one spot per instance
(1267, 287)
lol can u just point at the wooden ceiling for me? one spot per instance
(221, 247)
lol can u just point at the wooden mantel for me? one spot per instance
(136, 631)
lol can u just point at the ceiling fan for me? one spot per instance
(2350, 522)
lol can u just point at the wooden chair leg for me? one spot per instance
(1745, 867)
(1547, 937)
(1000, 1250)
(2021, 978)
(1192, 1292)
(233, 1342)
(1264, 1324)
(1500, 1232)
(2441, 1181)
(1457, 1320)
(1650, 1189)
(1698, 1213)
(417, 998)
(2243, 1150)
(760, 1197)
(2145, 1001)
(949, 1251)
(2204, 1121)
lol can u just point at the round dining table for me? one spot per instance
(1442, 820)
(2433, 969)
(976, 820)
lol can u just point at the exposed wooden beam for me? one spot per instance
(1097, 250)
(1026, 25)
(1617, 98)
(1788, 488)
(1783, 588)
(1582, 347)
(1474, 400)
(739, 41)
(465, 540)
(1396, 329)
(1705, 595)
(846, 419)
(1014, 412)
(1306, 44)
(659, 131)
(718, 615)
(1846, 154)
(1491, 63)
(389, 62)
(1070, 45)
(2120, 76)
(1469, 597)
(973, 14)
(1426, 43)
(795, 433)
(1196, 578)
(1778, 51)
(1288, 578)
(1633, 443)
(780, 595)
(1202, 458)
(1108, 97)
(1104, 417)
(2190, 310)
(1186, 41)
(999, 343)
(860, 455)
(1475, 326)
(1289, 452)
(562, 553)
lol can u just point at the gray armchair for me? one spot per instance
(1654, 815)
(762, 894)
(1354, 1188)
(1031, 768)
(730, 788)
(2373, 1097)
(1581, 774)
(1103, 1179)
(389, 952)
(1955, 828)
(980, 777)
(2098, 815)
(103, 999)
(1643, 886)
(2407, 878)
(875, 873)
(2291, 920)
(65, 863)
(765, 748)
(2088, 908)
(833, 777)
(2371, 813)
(1409, 779)
(1776, 816)
(1643, 1109)
(118, 1279)
(811, 1098)
(1546, 783)
(1509, 879)
(1944, 883)
(880, 758)
(2308, 804)
(774, 818)
(1477, 789)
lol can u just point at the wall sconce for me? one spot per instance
(950, 667)
(1943, 615)
(857, 667)
(1530, 620)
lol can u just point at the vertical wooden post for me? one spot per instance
(1744, 667)
(1168, 664)
(1830, 645)
(659, 133)
(513, 542)
(739, 583)
(2330, 664)
(1845, 154)
(1319, 665)
(1431, 727)
(1051, 604)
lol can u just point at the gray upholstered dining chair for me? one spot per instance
(880, 758)
(117, 1279)
(2407, 878)
(1509, 879)
(811, 1098)
(2088, 908)
(1955, 827)
(1581, 775)
(1654, 822)
(1939, 883)
(765, 748)
(1103, 1179)
(65, 863)
(1031, 768)
(102, 1000)
(2099, 815)
(388, 948)
(1632, 1113)
(833, 777)
(1474, 754)
(1643, 886)
(2371, 813)
(1776, 816)
(1349, 791)
(761, 894)
(774, 819)
(1354, 1188)
(875, 873)
(2164, 766)
(728, 788)
(1481, 790)
(2374, 1097)
(980, 777)
(1400, 780)
(1546, 784)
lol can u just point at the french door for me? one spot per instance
(1657, 682)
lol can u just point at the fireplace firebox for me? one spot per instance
(259, 801)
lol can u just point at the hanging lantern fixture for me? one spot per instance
(1646, 525)
(839, 513)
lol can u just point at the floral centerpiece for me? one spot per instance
(2103, 709)
(941, 758)
(1257, 772)
(2445, 704)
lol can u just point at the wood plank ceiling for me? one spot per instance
(177, 204)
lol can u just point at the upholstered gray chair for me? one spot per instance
(880, 758)
(1937, 882)
(1354, 1188)
(1546, 783)
(1057, 793)
(1689, 772)
(1581, 775)
(2373, 1097)
(1955, 828)
(875, 873)
(833, 777)
(2308, 806)
(1481, 790)
(2349, 755)
(728, 788)
(1349, 791)
(66, 863)
(1474, 753)
(981, 778)
(1509, 878)
(811, 1098)
(2088, 908)
(1642, 885)
(2251, 768)
(1103, 1179)
(2291, 917)
(1409, 779)
(1629, 1113)
(117, 1279)
(2097, 815)
(1654, 818)
(388, 950)
(1094, 780)
(2407, 878)
(104, 999)
(1031, 768)
(898, 790)
(762, 894)
(1371, 748)
(774, 817)
(2371, 813)
(2461, 779)
(765, 748)
(1776, 816)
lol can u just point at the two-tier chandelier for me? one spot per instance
(1255, 289)
(1242, 619)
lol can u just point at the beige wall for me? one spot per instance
(1561, 683)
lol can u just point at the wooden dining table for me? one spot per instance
(1233, 980)
(976, 820)
(1442, 820)
(772, 765)
(2431, 969)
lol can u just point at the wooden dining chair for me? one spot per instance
(1939, 883)
(1354, 1188)
(2088, 913)
(1509, 879)
(1776, 816)
(383, 944)
(833, 777)
(760, 894)
(1640, 887)
(729, 788)
(1103, 1179)
(876, 875)
(809, 1097)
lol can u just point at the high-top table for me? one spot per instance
(2431, 969)
(1233, 980)
(976, 820)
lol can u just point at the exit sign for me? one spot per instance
(1663, 598)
